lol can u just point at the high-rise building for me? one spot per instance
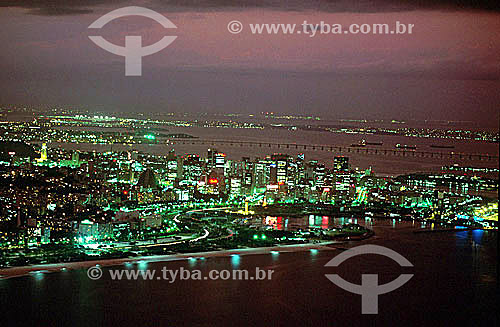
(343, 188)
(211, 158)
(319, 175)
(247, 173)
(220, 160)
(75, 157)
(172, 166)
(192, 168)
(261, 173)
(235, 186)
(216, 160)
(281, 162)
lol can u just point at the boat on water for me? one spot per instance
(364, 143)
(406, 146)
(442, 146)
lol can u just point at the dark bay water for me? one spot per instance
(383, 165)
(454, 283)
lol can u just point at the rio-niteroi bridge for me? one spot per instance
(342, 149)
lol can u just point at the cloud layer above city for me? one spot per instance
(447, 69)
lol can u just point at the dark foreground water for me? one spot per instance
(454, 284)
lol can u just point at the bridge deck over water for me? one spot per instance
(341, 149)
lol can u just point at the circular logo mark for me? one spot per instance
(234, 27)
(94, 273)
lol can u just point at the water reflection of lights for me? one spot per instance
(141, 264)
(235, 260)
(38, 274)
(477, 236)
(192, 261)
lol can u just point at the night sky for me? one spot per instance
(448, 69)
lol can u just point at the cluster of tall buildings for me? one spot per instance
(278, 176)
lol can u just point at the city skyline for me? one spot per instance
(249, 163)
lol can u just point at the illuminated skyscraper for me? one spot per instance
(220, 160)
(281, 161)
(75, 157)
(192, 168)
(343, 178)
(262, 172)
(216, 159)
(235, 189)
(319, 175)
(172, 166)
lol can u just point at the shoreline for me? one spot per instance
(20, 271)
